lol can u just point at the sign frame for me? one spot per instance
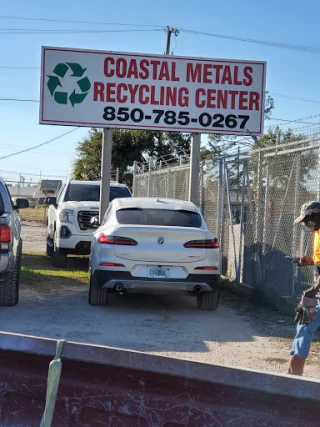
(45, 119)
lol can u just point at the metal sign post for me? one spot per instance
(194, 168)
(105, 171)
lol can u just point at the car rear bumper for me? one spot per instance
(193, 283)
(6, 262)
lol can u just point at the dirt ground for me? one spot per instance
(238, 334)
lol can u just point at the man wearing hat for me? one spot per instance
(308, 310)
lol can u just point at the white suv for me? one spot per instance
(69, 229)
(148, 245)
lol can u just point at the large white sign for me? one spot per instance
(140, 91)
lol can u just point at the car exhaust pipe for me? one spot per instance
(197, 289)
(118, 287)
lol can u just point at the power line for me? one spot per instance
(9, 67)
(24, 18)
(296, 121)
(18, 100)
(31, 174)
(302, 48)
(301, 120)
(261, 42)
(42, 170)
(59, 31)
(292, 97)
(42, 150)
(37, 146)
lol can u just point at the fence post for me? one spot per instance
(201, 198)
(117, 175)
(219, 194)
(295, 228)
(194, 168)
(266, 204)
(231, 221)
(149, 179)
(244, 167)
(221, 209)
(258, 267)
(134, 171)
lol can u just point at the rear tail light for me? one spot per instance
(115, 240)
(111, 264)
(206, 244)
(5, 234)
(5, 237)
(207, 268)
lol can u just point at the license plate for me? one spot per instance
(159, 273)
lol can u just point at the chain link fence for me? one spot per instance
(250, 201)
(158, 180)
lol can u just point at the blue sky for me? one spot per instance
(289, 72)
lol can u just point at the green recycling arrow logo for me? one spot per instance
(54, 84)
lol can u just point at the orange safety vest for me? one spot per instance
(316, 247)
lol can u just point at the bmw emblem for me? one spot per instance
(161, 240)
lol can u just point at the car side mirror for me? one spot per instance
(50, 201)
(95, 222)
(21, 204)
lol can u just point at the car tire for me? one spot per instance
(9, 284)
(97, 295)
(208, 300)
(59, 257)
(49, 248)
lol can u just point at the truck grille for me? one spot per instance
(84, 219)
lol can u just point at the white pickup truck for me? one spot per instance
(69, 228)
(10, 246)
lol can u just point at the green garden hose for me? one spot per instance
(52, 386)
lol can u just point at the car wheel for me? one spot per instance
(9, 283)
(208, 300)
(59, 257)
(97, 295)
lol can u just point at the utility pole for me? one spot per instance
(170, 31)
(195, 142)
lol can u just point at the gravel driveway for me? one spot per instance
(170, 326)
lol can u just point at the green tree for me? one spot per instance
(128, 146)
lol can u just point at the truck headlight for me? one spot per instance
(66, 215)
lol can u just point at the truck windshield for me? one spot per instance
(91, 193)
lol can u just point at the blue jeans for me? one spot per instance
(302, 342)
(303, 339)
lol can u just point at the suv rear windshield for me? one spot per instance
(1, 206)
(161, 217)
(91, 193)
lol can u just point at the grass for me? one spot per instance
(38, 214)
(36, 267)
